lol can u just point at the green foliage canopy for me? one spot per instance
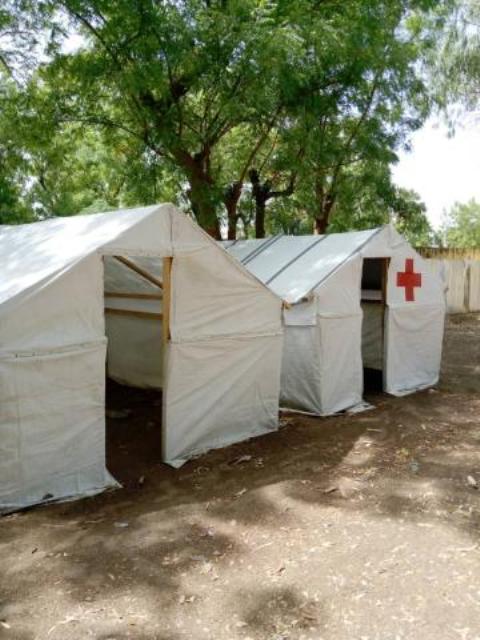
(183, 99)
(462, 225)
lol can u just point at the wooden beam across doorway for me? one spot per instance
(141, 272)
(132, 312)
(133, 296)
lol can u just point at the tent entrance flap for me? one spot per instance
(373, 300)
(136, 303)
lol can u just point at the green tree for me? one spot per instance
(48, 170)
(341, 129)
(184, 78)
(455, 64)
(22, 42)
(237, 109)
(178, 77)
(365, 201)
(13, 170)
(462, 225)
(21, 36)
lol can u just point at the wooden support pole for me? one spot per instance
(141, 272)
(167, 272)
(132, 312)
(166, 305)
(133, 296)
(385, 267)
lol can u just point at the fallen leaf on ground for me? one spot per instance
(240, 624)
(472, 482)
(330, 490)
(241, 459)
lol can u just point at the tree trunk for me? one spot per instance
(202, 189)
(322, 221)
(232, 196)
(262, 193)
(260, 207)
(325, 205)
(203, 207)
(321, 225)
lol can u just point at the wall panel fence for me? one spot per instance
(460, 270)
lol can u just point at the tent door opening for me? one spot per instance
(137, 329)
(373, 301)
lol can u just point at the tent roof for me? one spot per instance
(292, 266)
(32, 253)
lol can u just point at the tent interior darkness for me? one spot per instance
(373, 301)
(133, 432)
(133, 302)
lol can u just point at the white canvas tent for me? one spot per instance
(358, 300)
(222, 328)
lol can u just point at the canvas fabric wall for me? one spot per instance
(52, 391)
(234, 317)
(322, 366)
(223, 360)
(52, 356)
(52, 349)
(413, 348)
(339, 317)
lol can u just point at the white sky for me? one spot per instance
(442, 170)
(72, 43)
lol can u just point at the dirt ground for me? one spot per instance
(362, 527)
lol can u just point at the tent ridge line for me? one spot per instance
(355, 251)
(256, 252)
(293, 260)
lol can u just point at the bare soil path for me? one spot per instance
(361, 527)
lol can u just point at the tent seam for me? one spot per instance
(349, 257)
(303, 252)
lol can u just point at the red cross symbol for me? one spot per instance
(409, 279)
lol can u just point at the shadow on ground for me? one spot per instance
(252, 541)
